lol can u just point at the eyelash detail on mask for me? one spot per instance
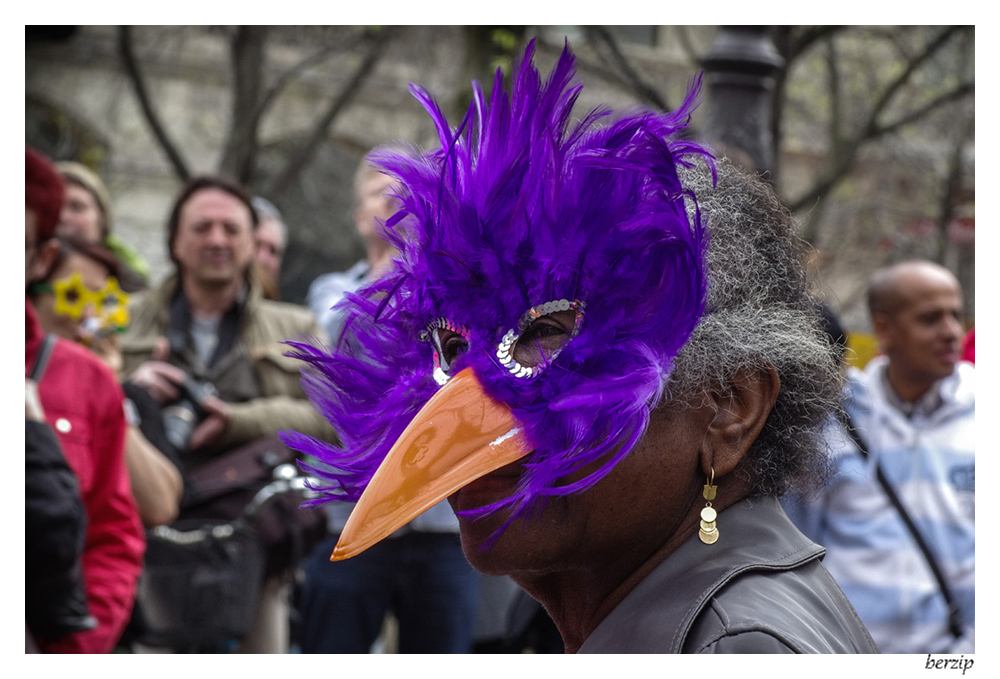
(505, 351)
(441, 375)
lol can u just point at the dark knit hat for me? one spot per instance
(44, 192)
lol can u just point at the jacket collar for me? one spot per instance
(757, 535)
(955, 392)
(161, 296)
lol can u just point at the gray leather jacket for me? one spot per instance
(760, 589)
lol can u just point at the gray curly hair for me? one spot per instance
(760, 315)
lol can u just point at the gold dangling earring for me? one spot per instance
(709, 533)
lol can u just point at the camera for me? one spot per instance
(183, 415)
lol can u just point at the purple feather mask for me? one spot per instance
(555, 267)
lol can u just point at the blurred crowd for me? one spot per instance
(134, 394)
(152, 410)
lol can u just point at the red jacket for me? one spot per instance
(83, 405)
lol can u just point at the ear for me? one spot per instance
(45, 254)
(882, 327)
(742, 408)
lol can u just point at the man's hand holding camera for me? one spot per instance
(193, 415)
(157, 376)
(160, 379)
(214, 423)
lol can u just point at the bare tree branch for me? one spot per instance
(127, 54)
(247, 57)
(791, 42)
(844, 157)
(963, 90)
(953, 185)
(684, 38)
(305, 153)
(844, 151)
(803, 40)
(833, 83)
(904, 77)
(811, 228)
(645, 92)
(583, 65)
(292, 72)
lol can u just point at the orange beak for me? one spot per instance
(458, 436)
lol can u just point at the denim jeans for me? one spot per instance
(422, 578)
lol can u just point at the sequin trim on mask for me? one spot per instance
(442, 368)
(505, 350)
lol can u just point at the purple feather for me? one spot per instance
(517, 208)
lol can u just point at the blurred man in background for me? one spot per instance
(208, 329)
(898, 517)
(271, 238)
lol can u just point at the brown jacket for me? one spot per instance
(255, 378)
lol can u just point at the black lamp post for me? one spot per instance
(740, 68)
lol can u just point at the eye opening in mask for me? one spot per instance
(541, 334)
(449, 341)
